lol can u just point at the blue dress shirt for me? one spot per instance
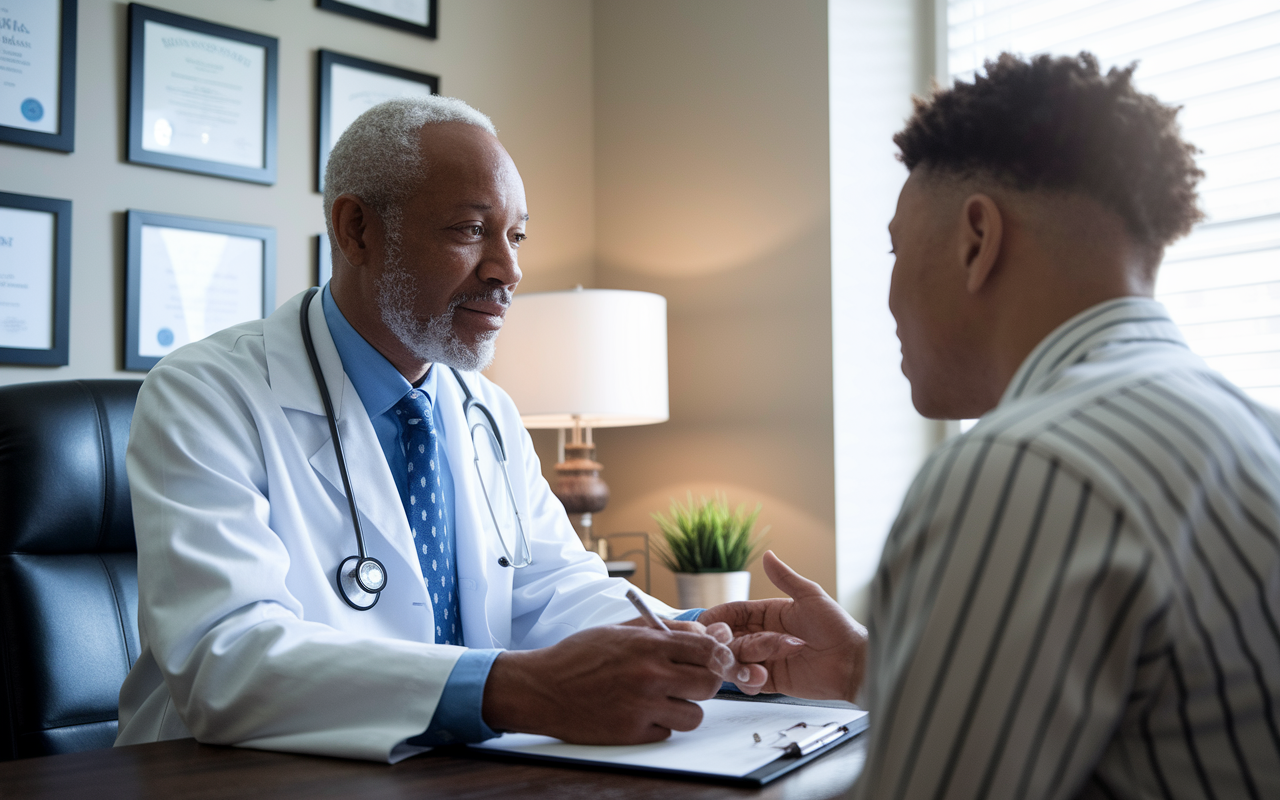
(380, 386)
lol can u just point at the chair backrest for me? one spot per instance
(68, 564)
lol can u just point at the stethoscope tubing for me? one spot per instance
(351, 580)
(345, 577)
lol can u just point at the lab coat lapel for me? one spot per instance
(485, 587)
(295, 387)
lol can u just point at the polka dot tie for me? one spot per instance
(424, 505)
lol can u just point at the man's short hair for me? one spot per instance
(377, 158)
(1059, 124)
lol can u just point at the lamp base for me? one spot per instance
(579, 487)
(578, 483)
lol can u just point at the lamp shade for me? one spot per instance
(596, 354)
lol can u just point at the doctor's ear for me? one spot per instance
(981, 234)
(351, 228)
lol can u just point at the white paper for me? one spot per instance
(203, 96)
(355, 91)
(30, 60)
(415, 11)
(721, 745)
(195, 283)
(26, 278)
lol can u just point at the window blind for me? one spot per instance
(1220, 61)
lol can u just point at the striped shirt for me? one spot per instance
(1081, 596)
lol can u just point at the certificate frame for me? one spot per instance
(139, 15)
(430, 30)
(60, 268)
(134, 360)
(65, 139)
(325, 62)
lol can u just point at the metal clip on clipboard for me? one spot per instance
(804, 745)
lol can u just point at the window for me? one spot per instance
(1219, 60)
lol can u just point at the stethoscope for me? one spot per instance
(361, 578)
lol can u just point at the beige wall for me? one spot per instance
(712, 190)
(528, 65)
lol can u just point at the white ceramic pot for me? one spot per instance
(707, 589)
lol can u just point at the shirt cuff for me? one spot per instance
(458, 714)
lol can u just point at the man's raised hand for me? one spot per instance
(827, 656)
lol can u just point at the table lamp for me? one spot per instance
(584, 359)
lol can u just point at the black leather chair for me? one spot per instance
(68, 564)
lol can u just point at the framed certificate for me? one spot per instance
(350, 86)
(35, 280)
(414, 16)
(38, 73)
(324, 260)
(186, 278)
(202, 97)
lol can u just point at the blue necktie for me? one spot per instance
(424, 505)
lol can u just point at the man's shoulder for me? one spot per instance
(229, 361)
(1176, 394)
(228, 345)
(1102, 424)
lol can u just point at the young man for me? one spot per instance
(1080, 595)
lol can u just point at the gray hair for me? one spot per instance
(377, 157)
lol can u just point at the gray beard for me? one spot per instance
(432, 339)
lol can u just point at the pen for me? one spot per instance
(645, 613)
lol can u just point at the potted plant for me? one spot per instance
(708, 546)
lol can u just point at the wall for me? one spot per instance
(712, 190)
(528, 65)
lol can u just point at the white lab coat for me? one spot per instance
(242, 522)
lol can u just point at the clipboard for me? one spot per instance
(671, 757)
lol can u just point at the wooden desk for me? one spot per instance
(185, 770)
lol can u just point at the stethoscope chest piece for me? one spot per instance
(360, 580)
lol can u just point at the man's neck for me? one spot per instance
(1061, 254)
(375, 332)
(1049, 294)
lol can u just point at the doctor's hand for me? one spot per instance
(750, 676)
(832, 661)
(615, 684)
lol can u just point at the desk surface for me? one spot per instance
(185, 770)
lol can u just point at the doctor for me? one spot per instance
(242, 517)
